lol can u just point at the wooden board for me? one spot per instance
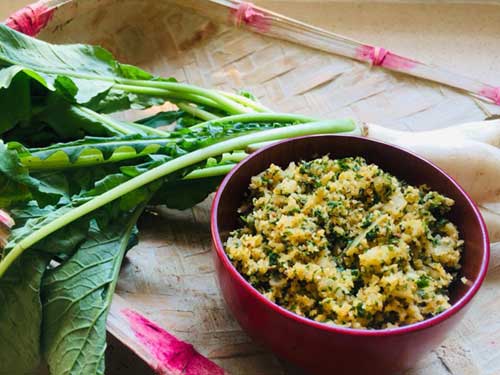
(169, 276)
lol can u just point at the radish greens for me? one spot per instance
(71, 175)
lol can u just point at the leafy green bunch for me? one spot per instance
(71, 175)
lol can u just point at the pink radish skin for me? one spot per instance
(6, 220)
(32, 19)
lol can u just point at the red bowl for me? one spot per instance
(319, 348)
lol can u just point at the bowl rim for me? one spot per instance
(427, 323)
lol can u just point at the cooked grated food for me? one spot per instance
(345, 243)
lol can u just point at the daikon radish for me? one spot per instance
(492, 219)
(481, 131)
(469, 153)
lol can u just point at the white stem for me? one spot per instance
(381, 133)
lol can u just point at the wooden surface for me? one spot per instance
(169, 276)
(460, 36)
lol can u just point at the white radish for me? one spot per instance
(481, 131)
(492, 219)
(469, 152)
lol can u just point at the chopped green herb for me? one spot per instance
(423, 282)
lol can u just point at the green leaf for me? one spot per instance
(15, 102)
(84, 179)
(61, 243)
(21, 315)
(77, 296)
(157, 174)
(165, 118)
(53, 118)
(16, 185)
(31, 134)
(14, 180)
(118, 100)
(248, 95)
(190, 186)
(82, 72)
(90, 75)
(71, 121)
(180, 118)
(99, 150)
(184, 194)
(46, 62)
(95, 149)
(126, 202)
(7, 75)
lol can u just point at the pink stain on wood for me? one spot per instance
(248, 15)
(174, 357)
(379, 56)
(492, 93)
(30, 20)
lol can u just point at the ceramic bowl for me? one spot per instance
(324, 349)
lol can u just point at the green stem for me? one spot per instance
(219, 170)
(59, 160)
(231, 105)
(123, 246)
(169, 167)
(172, 96)
(141, 87)
(196, 112)
(256, 146)
(109, 121)
(234, 156)
(257, 117)
(169, 89)
(146, 129)
(121, 127)
(34, 163)
(122, 151)
(245, 101)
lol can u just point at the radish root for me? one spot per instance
(470, 153)
(6, 222)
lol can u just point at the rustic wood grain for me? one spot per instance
(170, 276)
(122, 338)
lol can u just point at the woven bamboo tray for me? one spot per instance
(291, 67)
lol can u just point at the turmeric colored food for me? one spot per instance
(345, 243)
